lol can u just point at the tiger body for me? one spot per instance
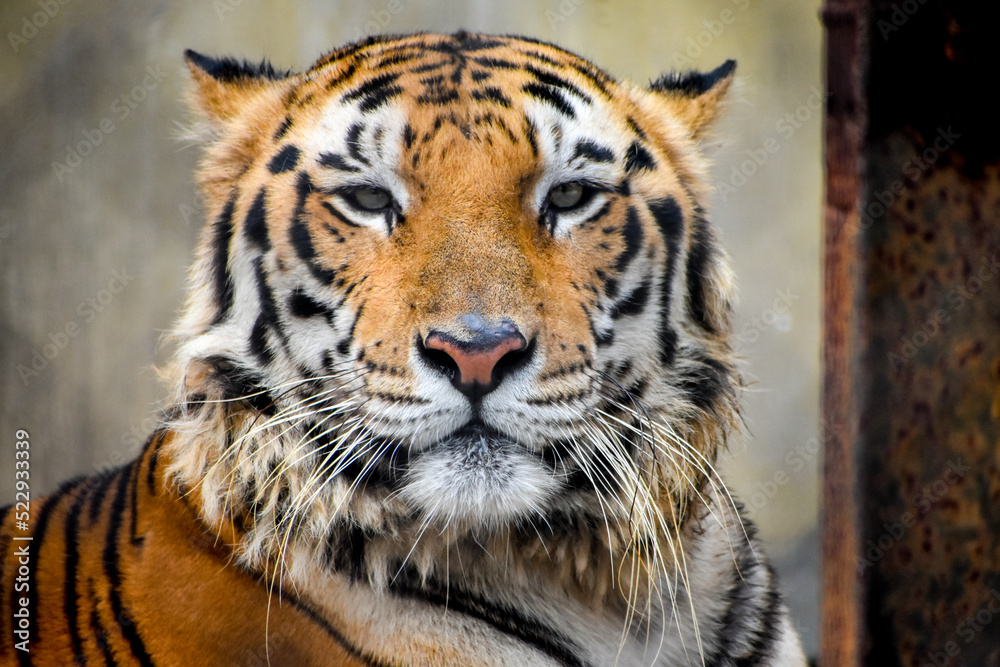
(450, 382)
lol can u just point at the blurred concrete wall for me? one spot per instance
(98, 216)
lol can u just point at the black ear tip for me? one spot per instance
(693, 83)
(230, 69)
(192, 57)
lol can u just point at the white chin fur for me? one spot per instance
(481, 481)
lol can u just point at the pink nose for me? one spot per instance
(476, 354)
(476, 360)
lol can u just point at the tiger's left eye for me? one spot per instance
(371, 199)
(567, 196)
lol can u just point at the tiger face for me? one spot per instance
(455, 285)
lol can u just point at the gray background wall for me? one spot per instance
(93, 247)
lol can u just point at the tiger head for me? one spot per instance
(452, 287)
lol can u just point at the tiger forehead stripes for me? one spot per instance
(451, 380)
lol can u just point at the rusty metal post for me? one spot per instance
(843, 140)
(912, 340)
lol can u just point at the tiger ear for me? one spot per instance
(225, 87)
(695, 98)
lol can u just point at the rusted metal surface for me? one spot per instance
(925, 372)
(844, 135)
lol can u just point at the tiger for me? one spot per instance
(451, 380)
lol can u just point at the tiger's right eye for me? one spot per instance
(566, 196)
(369, 198)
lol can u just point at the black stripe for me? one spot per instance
(336, 161)
(346, 544)
(610, 284)
(429, 67)
(134, 537)
(495, 63)
(368, 659)
(438, 95)
(595, 76)
(101, 635)
(268, 307)
(124, 618)
(598, 215)
(699, 258)
(97, 495)
(383, 95)
(286, 160)
(344, 346)
(338, 215)
(635, 128)
(71, 598)
(268, 318)
(670, 220)
(531, 134)
(705, 381)
(634, 302)
(240, 383)
(354, 145)
(491, 94)
(39, 533)
(258, 342)
(633, 236)
(593, 151)
(343, 76)
(396, 58)
(372, 86)
(283, 128)
(222, 279)
(638, 158)
(763, 640)
(299, 234)
(750, 625)
(467, 42)
(551, 96)
(375, 92)
(601, 338)
(535, 55)
(255, 225)
(302, 305)
(550, 79)
(509, 620)
(154, 459)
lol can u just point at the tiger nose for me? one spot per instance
(478, 361)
